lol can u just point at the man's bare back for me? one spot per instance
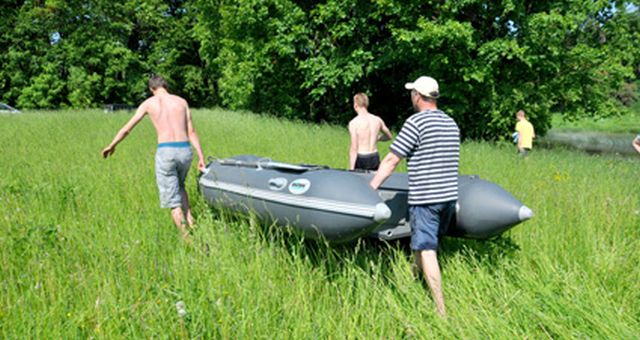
(170, 116)
(365, 131)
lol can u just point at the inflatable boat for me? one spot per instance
(340, 206)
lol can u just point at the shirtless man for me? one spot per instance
(172, 119)
(365, 133)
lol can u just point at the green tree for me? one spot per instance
(30, 76)
(254, 48)
(306, 59)
(491, 58)
(9, 18)
(85, 53)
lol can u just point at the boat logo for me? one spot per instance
(299, 186)
(278, 183)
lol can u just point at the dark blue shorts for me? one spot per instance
(428, 223)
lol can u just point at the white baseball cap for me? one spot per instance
(426, 86)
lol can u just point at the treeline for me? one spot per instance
(306, 59)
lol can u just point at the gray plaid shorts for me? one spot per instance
(172, 166)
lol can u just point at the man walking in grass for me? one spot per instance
(365, 133)
(171, 117)
(430, 141)
(525, 134)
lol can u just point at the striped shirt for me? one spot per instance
(430, 141)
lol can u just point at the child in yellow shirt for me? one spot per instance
(525, 135)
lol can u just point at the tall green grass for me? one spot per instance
(628, 124)
(87, 252)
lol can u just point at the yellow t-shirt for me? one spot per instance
(525, 134)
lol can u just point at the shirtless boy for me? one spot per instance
(365, 133)
(172, 119)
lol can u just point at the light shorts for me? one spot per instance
(172, 165)
(428, 223)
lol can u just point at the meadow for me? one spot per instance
(86, 251)
(627, 124)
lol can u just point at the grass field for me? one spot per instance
(87, 253)
(626, 124)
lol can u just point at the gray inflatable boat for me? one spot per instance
(340, 206)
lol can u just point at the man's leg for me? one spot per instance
(186, 156)
(431, 270)
(178, 219)
(187, 208)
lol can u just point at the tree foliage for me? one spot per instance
(306, 59)
(80, 53)
(491, 58)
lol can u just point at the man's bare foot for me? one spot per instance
(185, 234)
(190, 221)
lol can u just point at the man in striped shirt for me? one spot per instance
(430, 141)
